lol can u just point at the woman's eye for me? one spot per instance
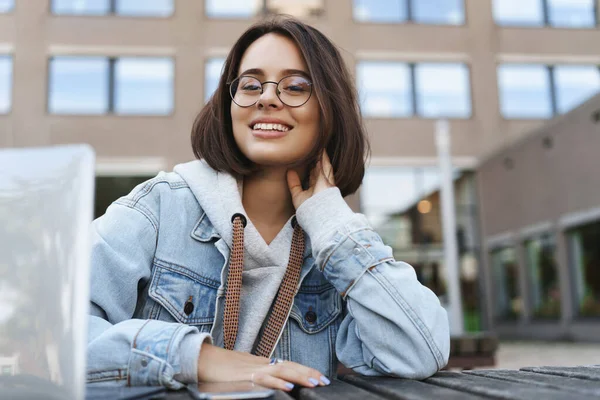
(295, 89)
(250, 88)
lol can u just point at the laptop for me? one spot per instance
(46, 207)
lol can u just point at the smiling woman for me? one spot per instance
(247, 264)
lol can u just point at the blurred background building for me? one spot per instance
(129, 76)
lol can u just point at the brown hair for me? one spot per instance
(341, 129)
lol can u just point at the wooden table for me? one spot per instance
(537, 383)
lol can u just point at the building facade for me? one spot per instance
(129, 76)
(540, 213)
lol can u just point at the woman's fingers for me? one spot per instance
(299, 374)
(266, 380)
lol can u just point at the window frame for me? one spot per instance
(414, 93)
(410, 16)
(111, 92)
(545, 22)
(112, 12)
(549, 70)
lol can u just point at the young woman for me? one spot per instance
(247, 264)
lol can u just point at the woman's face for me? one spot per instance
(270, 133)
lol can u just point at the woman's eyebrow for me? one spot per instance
(289, 71)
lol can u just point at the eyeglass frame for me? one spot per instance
(262, 90)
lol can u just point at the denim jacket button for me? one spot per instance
(357, 250)
(144, 362)
(188, 308)
(310, 317)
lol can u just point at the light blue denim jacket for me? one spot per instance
(155, 251)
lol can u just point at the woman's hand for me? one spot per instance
(321, 178)
(219, 365)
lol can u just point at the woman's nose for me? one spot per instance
(268, 97)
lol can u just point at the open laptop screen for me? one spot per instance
(46, 207)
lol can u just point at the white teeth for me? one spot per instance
(270, 127)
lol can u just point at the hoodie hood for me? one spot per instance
(220, 196)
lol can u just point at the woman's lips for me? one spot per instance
(271, 134)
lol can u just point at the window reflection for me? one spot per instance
(584, 255)
(443, 90)
(150, 8)
(79, 7)
(5, 84)
(212, 74)
(403, 205)
(6, 5)
(505, 272)
(380, 10)
(232, 8)
(543, 274)
(144, 86)
(519, 12)
(524, 91)
(572, 13)
(385, 89)
(450, 12)
(575, 84)
(78, 85)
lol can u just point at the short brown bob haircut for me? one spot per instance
(341, 129)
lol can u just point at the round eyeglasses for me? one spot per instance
(292, 90)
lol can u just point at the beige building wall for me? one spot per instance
(127, 143)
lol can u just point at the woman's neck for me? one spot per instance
(268, 201)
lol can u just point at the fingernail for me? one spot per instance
(325, 380)
(289, 385)
(313, 381)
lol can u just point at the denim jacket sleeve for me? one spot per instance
(128, 351)
(394, 325)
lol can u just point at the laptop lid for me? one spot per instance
(46, 207)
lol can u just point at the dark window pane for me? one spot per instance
(385, 89)
(212, 74)
(443, 90)
(6, 5)
(519, 12)
(543, 274)
(524, 91)
(144, 86)
(5, 84)
(380, 10)
(81, 7)
(78, 85)
(505, 272)
(572, 13)
(232, 8)
(145, 8)
(450, 12)
(585, 261)
(575, 84)
(110, 188)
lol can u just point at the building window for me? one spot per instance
(541, 91)
(402, 203)
(110, 188)
(7, 370)
(232, 9)
(6, 69)
(553, 13)
(131, 8)
(584, 255)
(575, 84)
(7, 6)
(143, 86)
(443, 90)
(429, 90)
(505, 272)
(212, 74)
(442, 12)
(543, 275)
(100, 85)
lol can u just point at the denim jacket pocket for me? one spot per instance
(188, 297)
(316, 307)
